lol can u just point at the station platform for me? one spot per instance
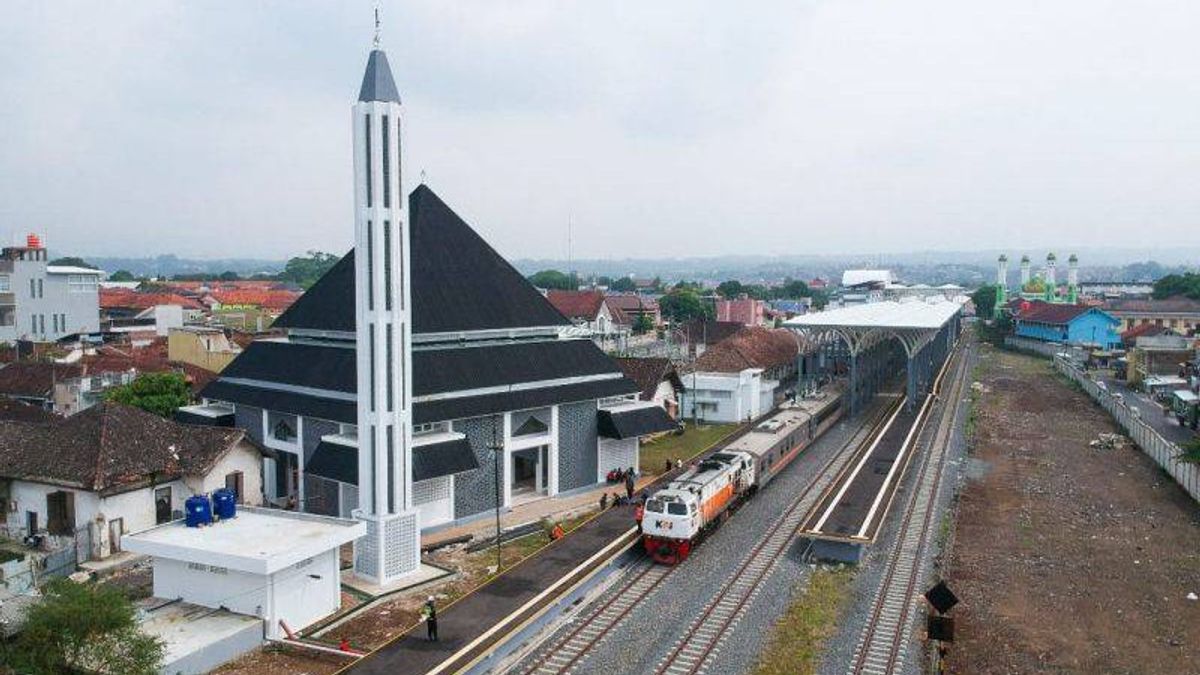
(851, 511)
(471, 626)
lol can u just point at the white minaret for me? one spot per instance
(1051, 261)
(1073, 270)
(1024, 271)
(1002, 271)
(391, 548)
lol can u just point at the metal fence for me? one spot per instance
(1164, 452)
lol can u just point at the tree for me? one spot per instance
(122, 275)
(1187, 284)
(730, 289)
(83, 628)
(228, 275)
(623, 285)
(683, 304)
(554, 279)
(159, 393)
(72, 261)
(642, 324)
(306, 270)
(792, 289)
(985, 300)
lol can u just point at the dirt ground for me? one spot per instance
(1067, 558)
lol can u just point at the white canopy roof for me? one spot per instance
(915, 323)
(856, 277)
(890, 314)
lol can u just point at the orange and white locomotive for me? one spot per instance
(678, 516)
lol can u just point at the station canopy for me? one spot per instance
(914, 324)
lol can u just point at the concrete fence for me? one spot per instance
(1164, 452)
(1049, 350)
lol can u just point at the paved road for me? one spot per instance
(1151, 412)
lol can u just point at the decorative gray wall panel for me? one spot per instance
(577, 444)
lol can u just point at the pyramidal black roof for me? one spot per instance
(459, 282)
(377, 84)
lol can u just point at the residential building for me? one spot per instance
(1179, 314)
(1068, 324)
(1161, 354)
(744, 310)
(587, 310)
(33, 382)
(114, 469)
(658, 380)
(44, 302)
(741, 377)
(203, 347)
(416, 366)
(627, 307)
(698, 334)
(861, 286)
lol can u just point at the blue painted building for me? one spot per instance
(1073, 324)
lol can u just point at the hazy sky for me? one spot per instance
(660, 128)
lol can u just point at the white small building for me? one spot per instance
(728, 397)
(280, 566)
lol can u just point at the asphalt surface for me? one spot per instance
(1150, 411)
(648, 634)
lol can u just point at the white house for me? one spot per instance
(728, 397)
(114, 469)
(279, 566)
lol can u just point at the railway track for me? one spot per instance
(596, 624)
(703, 637)
(566, 651)
(883, 643)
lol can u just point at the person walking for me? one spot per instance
(429, 611)
(604, 501)
(630, 483)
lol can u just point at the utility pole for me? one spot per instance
(496, 450)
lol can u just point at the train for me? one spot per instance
(677, 517)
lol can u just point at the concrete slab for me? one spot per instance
(426, 575)
(198, 639)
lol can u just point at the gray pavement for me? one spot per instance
(1151, 412)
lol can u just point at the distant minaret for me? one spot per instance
(1001, 284)
(1073, 278)
(391, 547)
(1051, 261)
(1024, 271)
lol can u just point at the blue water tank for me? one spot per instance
(197, 511)
(225, 503)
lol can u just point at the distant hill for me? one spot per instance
(170, 265)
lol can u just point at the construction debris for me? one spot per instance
(1108, 442)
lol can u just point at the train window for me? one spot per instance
(677, 509)
(654, 506)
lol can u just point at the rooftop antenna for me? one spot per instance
(377, 28)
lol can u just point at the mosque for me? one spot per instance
(1040, 286)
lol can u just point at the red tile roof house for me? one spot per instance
(632, 305)
(114, 469)
(658, 379)
(586, 309)
(741, 377)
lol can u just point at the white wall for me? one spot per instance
(243, 457)
(616, 454)
(304, 593)
(214, 587)
(136, 507)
